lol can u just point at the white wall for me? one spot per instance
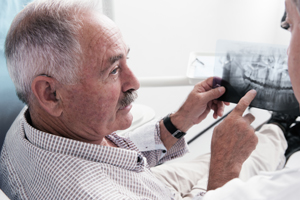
(162, 33)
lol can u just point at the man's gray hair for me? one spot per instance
(44, 40)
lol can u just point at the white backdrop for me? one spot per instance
(162, 33)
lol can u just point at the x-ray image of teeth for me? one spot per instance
(241, 67)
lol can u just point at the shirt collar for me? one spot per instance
(126, 156)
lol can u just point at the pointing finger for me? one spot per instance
(244, 102)
(249, 118)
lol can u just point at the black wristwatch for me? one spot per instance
(172, 129)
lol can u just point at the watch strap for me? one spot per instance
(172, 129)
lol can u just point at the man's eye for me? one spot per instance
(115, 71)
(285, 25)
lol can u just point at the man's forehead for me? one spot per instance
(102, 42)
(97, 26)
(98, 33)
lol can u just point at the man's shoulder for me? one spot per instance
(16, 124)
(16, 129)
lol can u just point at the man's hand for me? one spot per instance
(232, 143)
(198, 104)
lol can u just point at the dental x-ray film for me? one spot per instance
(240, 67)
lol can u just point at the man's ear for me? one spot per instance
(44, 89)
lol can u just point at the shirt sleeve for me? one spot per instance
(283, 184)
(147, 139)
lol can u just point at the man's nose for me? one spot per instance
(130, 81)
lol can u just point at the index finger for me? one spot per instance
(244, 102)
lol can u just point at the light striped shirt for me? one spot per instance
(39, 165)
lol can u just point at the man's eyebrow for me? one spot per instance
(114, 59)
(128, 50)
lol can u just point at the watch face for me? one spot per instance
(179, 135)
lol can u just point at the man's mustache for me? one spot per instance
(129, 97)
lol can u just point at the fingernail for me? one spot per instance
(222, 112)
(221, 89)
(253, 91)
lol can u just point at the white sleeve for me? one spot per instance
(279, 185)
(148, 141)
(144, 137)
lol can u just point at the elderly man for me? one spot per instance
(68, 63)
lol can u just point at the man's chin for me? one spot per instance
(126, 122)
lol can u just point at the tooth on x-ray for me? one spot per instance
(241, 67)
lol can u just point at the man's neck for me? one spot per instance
(48, 124)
